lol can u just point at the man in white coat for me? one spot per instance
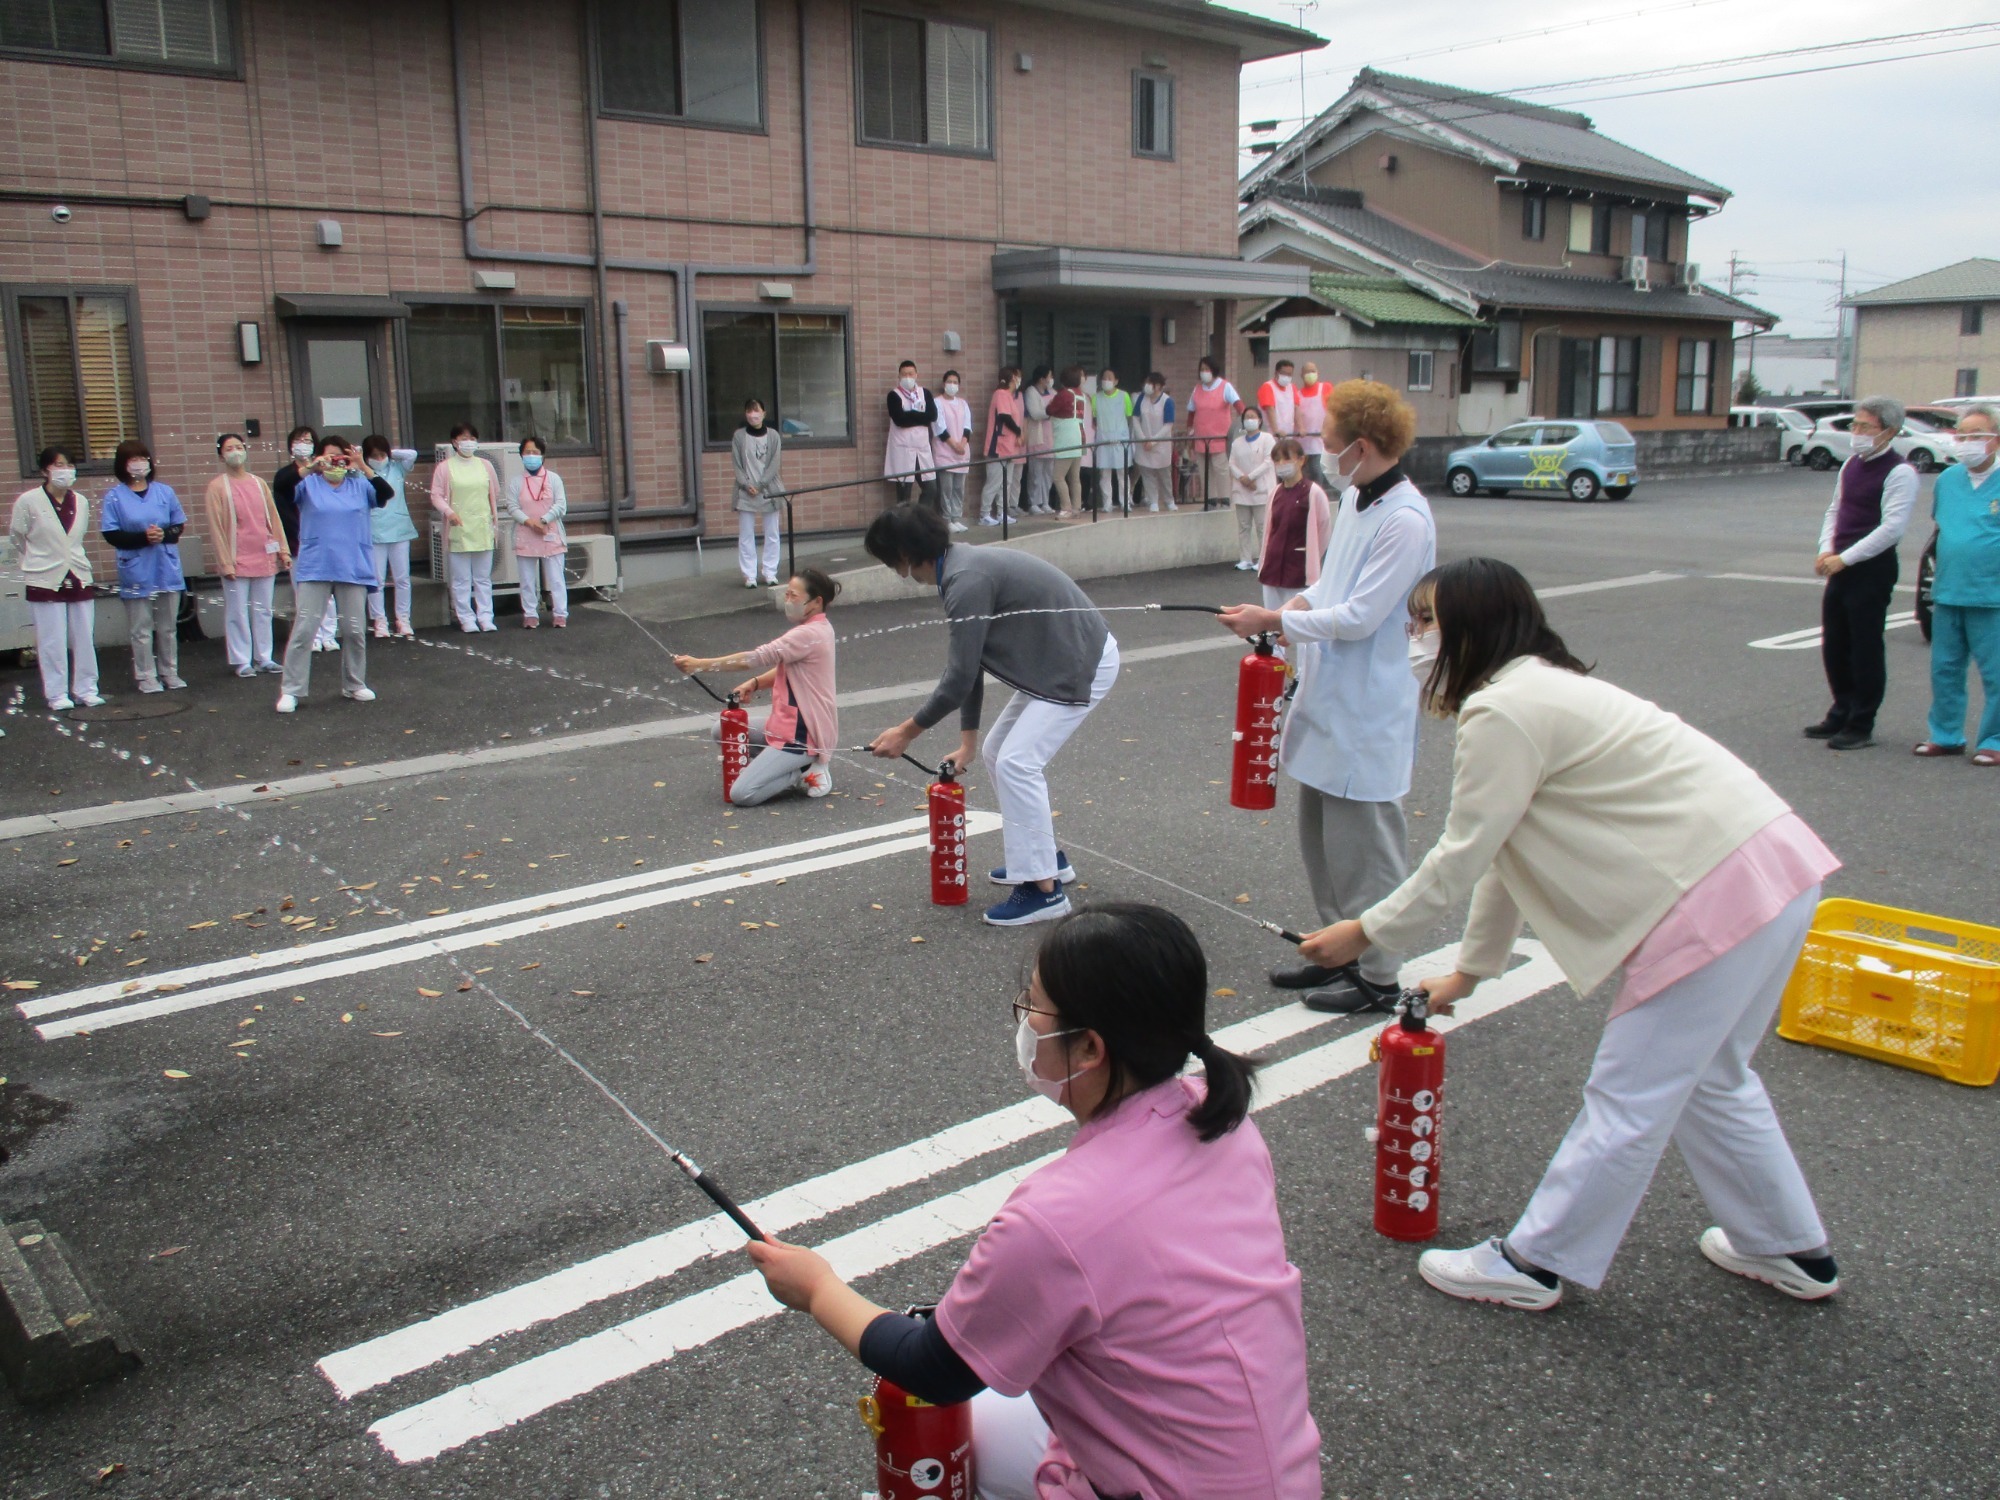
(1350, 736)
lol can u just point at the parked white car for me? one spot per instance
(1827, 444)
(1793, 427)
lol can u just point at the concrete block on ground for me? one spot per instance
(1110, 548)
(56, 1333)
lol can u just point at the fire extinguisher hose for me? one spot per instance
(714, 1189)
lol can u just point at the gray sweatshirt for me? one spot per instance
(755, 459)
(1052, 654)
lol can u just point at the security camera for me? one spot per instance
(60, 213)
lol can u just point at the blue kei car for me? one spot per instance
(1581, 459)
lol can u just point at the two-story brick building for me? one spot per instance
(1569, 248)
(388, 217)
(1930, 336)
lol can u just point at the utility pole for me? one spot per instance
(1734, 257)
(1843, 353)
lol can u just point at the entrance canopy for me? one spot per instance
(1060, 273)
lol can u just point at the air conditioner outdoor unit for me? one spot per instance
(592, 563)
(1633, 269)
(1688, 278)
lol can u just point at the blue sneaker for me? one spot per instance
(1065, 872)
(1029, 903)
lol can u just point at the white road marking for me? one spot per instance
(977, 822)
(1808, 639)
(495, 1402)
(1633, 580)
(402, 932)
(394, 1355)
(1811, 581)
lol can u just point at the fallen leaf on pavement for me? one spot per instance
(702, 958)
(753, 926)
(385, 1033)
(430, 994)
(72, 859)
(173, 1073)
(369, 886)
(1225, 994)
(171, 1250)
(585, 993)
(246, 1021)
(916, 940)
(108, 1472)
(24, 984)
(535, 965)
(1243, 900)
(346, 1016)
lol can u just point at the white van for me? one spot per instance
(1793, 427)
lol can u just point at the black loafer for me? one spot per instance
(1354, 996)
(1851, 739)
(1825, 729)
(1307, 976)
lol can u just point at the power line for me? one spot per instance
(1714, 83)
(1520, 36)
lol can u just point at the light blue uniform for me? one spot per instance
(1965, 613)
(156, 567)
(391, 523)
(334, 544)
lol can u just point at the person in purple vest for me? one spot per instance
(1857, 558)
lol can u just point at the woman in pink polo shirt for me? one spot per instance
(1134, 1287)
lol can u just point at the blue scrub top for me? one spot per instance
(392, 522)
(334, 541)
(155, 568)
(1968, 554)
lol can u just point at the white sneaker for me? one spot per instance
(361, 695)
(287, 704)
(750, 583)
(61, 705)
(818, 781)
(1482, 1273)
(90, 700)
(151, 687)
(959, 526)
(1780, 1271)
(173, 683)
(1246, 567)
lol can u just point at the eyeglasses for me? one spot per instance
(1024, 1007)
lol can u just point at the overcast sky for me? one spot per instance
(1895, 164)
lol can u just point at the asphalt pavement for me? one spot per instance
(326, 1084)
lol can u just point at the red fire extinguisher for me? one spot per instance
(735, 742)
(1260, 687)
(1409, 1118)
(947, 807)
(922, 1452)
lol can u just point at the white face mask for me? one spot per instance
(908, 382)
(139, 468)
(302, 451)
(466, 447)
(61, 479)
(1973, 452)
(795, 609)
(236, 458)
(1342, 477)
(1108, 384)
(1288, 472)
(1864, 442)
(1026, 1040)
(1283, 381)
(1424, 653)
(1207, 379)
(1251, 429)
(951, 387)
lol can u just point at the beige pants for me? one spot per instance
(1065, 482)
(149, 625)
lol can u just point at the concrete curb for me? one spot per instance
(56, 1334)
(1141, 543)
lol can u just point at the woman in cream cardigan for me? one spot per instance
(1629, 841)
(48, 528)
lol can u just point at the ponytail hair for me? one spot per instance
(1135, 974)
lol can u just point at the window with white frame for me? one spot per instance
(925, 83)
(1421, 364)
(1153, 115)
(1695, 376)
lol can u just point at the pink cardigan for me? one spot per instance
(1319, 529)
(803, 656)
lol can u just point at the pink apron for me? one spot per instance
(908, 455)
(1210, 411)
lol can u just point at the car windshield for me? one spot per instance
(1927, 423)
(1798, 421)
(1611, 432)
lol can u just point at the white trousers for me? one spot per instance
(392, 565)
(347, 600)
(1159, 487)
(64, 642)
(535, 572)
(746, 546)
(1678, 1067)
(1009, 1438)
(1017, 752)
(1002, 488)
(1249, 533)
(472, 589)
(246, 620)
(150, 626)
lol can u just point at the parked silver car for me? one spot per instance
(1583, 459)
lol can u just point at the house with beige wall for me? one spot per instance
(1931, 336)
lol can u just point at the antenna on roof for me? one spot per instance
(1305, 8)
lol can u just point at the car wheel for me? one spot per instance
(1923, 461)
(1462, 482)
(1583, 485)
(1819, 459)
(1617, 491)
(1796, 458)
(1926, 583)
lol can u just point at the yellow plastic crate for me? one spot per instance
(1919, 991)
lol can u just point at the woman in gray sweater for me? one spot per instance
(754, 450)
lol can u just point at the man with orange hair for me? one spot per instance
(1350, 736)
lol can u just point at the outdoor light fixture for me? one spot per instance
(1168, 332)
(250, 343)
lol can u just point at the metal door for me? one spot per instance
(337, 377)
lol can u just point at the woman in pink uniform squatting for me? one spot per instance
(1135, 1289)
(1635, 843)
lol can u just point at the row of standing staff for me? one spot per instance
(1136, 1290)
(259, 529)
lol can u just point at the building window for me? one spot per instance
(924, 83)
(1972, 319)
(694, 60)
(1967, 383)
(1534, 216)
(1589, 229)
(72, 358)
(1260, 349)
(1152, 115)
(795, 363)
(1617, 377)
(1695, 377)
(511, 370)
(1421, 364)
(183, 35)
(1497, 350)
(1649, 233)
